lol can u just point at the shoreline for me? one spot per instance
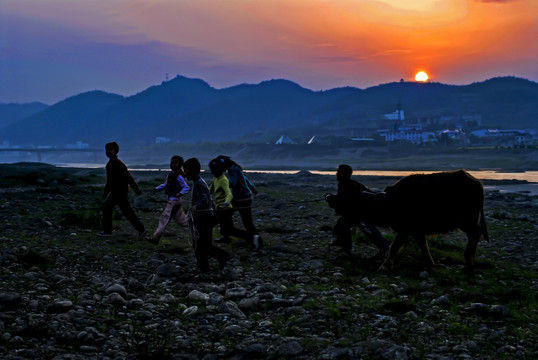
(502, 181)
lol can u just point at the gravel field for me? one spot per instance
(67, 294)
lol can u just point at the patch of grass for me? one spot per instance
(90, 219)
(278, 230)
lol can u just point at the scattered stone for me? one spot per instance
(167, 299)
(499, 310)
(10, 299)
(117, 288)
(442, 301)
(59, 306)
(235, 293)
(193, 310)
(424, 275)
(292, 348)
(114, 299)
(135, 303)
(232, 309)
(199, 296)
(135, 285)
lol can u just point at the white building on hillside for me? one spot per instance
(396, 115)
(284, 140)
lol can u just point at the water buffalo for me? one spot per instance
(422, 204)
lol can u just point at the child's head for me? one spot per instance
(216, 167)
(112, 149)
(225, 162)
(192, 167)
(176, 162)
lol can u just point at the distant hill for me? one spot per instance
(190, 110)
(10, 113)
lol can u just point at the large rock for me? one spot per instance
(10, 300)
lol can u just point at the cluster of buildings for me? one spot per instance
(419, 131)
(439, 130)
(417, 134)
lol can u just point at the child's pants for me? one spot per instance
(173, 209)
(244, 207)
(122, 201)
(227, 225)
(203, 247)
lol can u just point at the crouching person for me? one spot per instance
(204, 219)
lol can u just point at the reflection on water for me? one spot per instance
(530, 176)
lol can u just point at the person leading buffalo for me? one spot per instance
(345, 204)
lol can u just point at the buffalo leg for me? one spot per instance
(423, 245)
(394, 249)
(470, 249)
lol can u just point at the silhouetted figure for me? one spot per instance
(220, 189)
(242, 195)
(118, 180)
(204, 219)
(174, 187)
(345, 203)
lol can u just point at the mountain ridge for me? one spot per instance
(190, 110)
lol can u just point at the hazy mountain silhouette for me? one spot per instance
(10, 113)
(190, 110)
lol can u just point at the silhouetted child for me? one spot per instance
(242, 195)
(174, 187)
(345, 204)
(204, 219)
(220, 189)
(118, 180)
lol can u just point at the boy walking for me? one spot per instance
(118, 180)
(174, 187)
(203, 219)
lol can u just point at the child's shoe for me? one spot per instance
(224, 240)
(223, 260)
(257, 242)
(154, 241)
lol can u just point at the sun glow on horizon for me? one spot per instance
(421, 76)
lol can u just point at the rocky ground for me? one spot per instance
(67, 294)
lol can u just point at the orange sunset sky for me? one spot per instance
(52, 49)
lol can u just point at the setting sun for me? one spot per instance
(421, 76)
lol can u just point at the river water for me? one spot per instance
(530, 176)
(528, 189)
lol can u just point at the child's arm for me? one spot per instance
(107, 185)
(251, 186)
(225, 185)
(162, 186)
(184, 186)
(234, 176)
(131, 181)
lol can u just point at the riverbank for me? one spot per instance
(67, 294)
(309, 157)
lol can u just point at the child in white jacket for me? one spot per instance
(174, 187)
